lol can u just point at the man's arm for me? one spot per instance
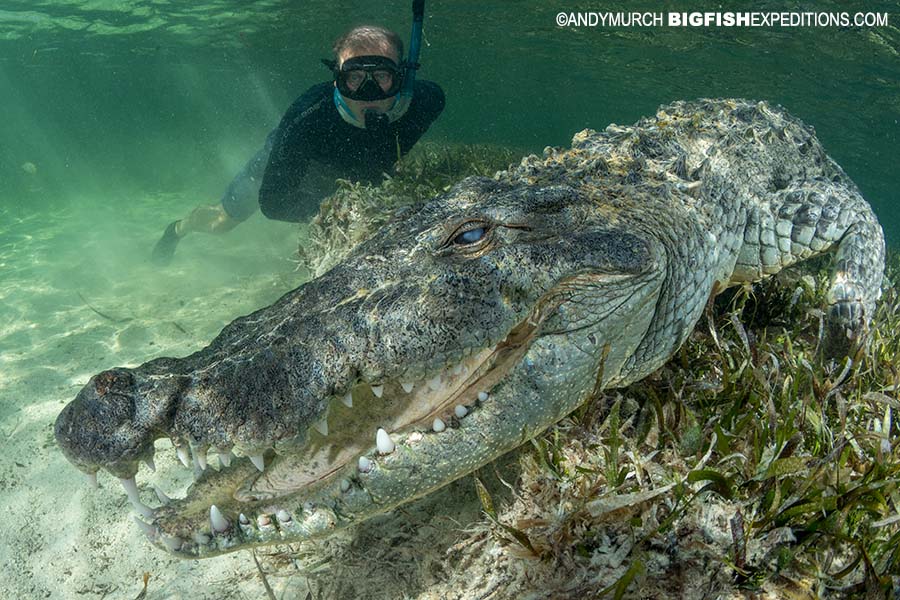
(283, 195)
(281, 184)
(241, 198)
(428, 103)
(432, 102)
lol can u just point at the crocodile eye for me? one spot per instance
(470, 237)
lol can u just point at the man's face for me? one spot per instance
(359, 107)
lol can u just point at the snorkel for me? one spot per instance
(374, 119)
(412, 63)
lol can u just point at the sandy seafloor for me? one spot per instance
(60, 538)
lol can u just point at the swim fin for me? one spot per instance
(165, 247)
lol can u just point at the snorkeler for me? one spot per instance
(353, 127)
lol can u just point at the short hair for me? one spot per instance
(366, 37)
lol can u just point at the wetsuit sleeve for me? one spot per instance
(431, 103)
(428, 102)
(241, 198)
(283, 195)
(282, 181)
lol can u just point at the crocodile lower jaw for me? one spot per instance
(394, 413)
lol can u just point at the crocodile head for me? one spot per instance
(462, 328)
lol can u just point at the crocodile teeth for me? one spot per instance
(130, 489)
(200, 456)
(438, 425)
(161, 495)
(198, 470)
(483, 396)
(92, 479)
(225, 457)
(183, 456)
(149, 530)
(243, 520)
(219, 522)
(173, 543)
(258, 462)
(150, 464)
(132, 492)
(283, 516)
(460, 411)
(435, 383)
(263, 521)
(383, 442)
(407, 387)
(201, 538)
(364, 464)
(348, 400)
(378, 390)
(321, 426)
(345, 485)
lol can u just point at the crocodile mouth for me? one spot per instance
(396, 413)
(393, 410)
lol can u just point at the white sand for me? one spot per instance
(60, 538)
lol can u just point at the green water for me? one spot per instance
(109, 98)
(117, 117)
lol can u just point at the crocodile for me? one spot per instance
(471, 322)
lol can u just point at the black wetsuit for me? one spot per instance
(311, 148)
(313, 145)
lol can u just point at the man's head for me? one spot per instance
(367, 59)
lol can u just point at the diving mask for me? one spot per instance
(368, 78)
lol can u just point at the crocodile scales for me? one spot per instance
(471, 322)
